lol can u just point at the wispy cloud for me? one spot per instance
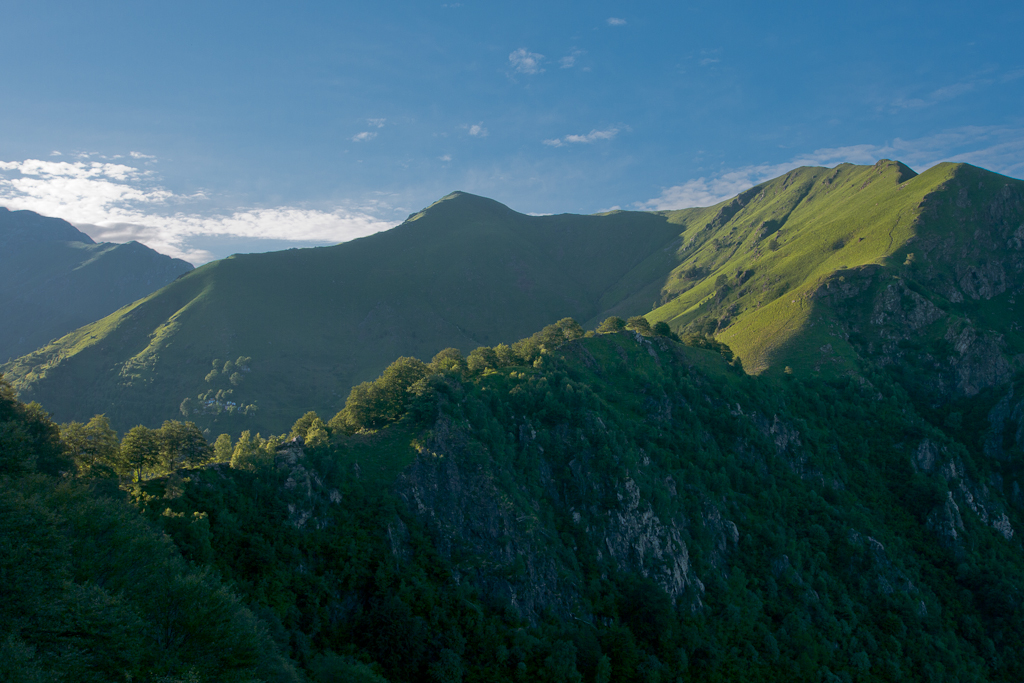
(118, 203)
(525, 62)
(376, 123)
(477, 130)
(709, 57)
(55, 153)
(592, 136)
(979, 81)
(569, 61)
(997, 148)
(615, 21)
(140, 155)
(446, 158)
(364, 136)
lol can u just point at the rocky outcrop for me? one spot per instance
(498, 531)
(304, 491)
(962, 494)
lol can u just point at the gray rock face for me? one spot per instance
(505, 539)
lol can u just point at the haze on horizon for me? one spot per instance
(203, 130)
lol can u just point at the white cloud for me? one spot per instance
(569, 60)
(364, 136)
(55, 153)
(997, 148)
(118, 203)
(140, 155)
(590, 137)
(477, 130)
(708, 61)
(446, 158)
(615, 21)
(525, 62)
(376, 123)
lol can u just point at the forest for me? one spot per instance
(620, 504)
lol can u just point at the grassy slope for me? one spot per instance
(465, 272)
(824, 221)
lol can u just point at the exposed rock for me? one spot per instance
(946, 523)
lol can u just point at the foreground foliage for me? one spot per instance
(617, 507)
(93, 592)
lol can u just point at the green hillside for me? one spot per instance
(54, 279)
(309, 324)
(822, 270)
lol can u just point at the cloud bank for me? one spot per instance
(118, 203)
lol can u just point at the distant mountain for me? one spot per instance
(821, 272)
(54, 279)
(308, 324)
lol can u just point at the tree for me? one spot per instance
(301, 425)
(612, 324)
(252, 452)
(182, 445)
(29, 440)
(316, 435)
(505, 356)
(662, 329)
(639, 324)
(553, 336)
(92, 446)
(448, 360)
(222, 448)
(140, 448)
(372, 405)
(482, 358)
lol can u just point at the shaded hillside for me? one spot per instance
(309, 324)
(54, 279)
(825, 270)
(623, 508)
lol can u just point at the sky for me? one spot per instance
(203, 129)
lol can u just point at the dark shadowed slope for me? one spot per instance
(54, 279)
(312, 322)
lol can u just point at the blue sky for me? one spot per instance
(208, 128)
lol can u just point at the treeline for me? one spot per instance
(97, 451)
(373, 405)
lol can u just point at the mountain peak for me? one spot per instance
(28, 226)
(462, 205)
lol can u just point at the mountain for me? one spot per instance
(824, 271)
(54, 279)
(308, 324)
(821, 272)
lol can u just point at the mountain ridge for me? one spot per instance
(55, 278)
(330, 317)
(817, 272)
